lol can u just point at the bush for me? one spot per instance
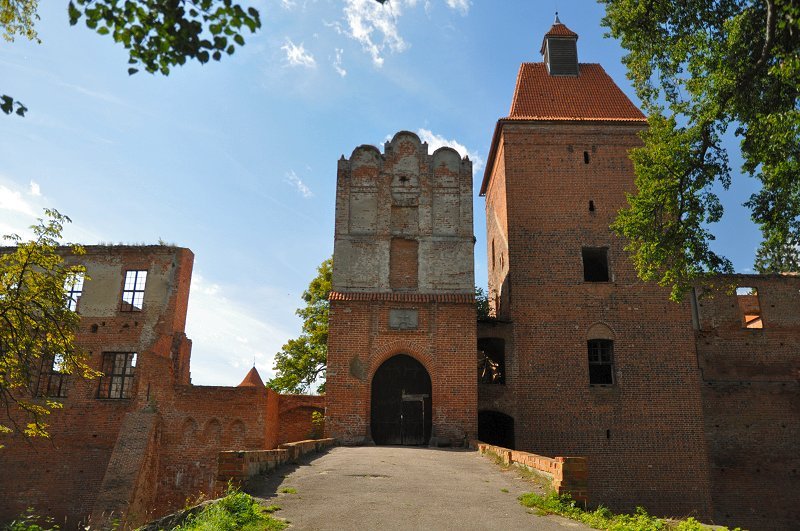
(236, 511)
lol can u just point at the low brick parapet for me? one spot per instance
(238, 466)
(569, 475)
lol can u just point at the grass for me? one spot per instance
(288, 490)
(504, 490)
(603, 518)
(236, 511)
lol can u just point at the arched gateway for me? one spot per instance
(401, 402)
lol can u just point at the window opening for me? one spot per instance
(491, 360)
(749, 307)
(591, 206)
(492, 253)
(133, 292)
(52, 379)
(595, 264)
(601, 362)
(74, 289)
(117, 379)
(586, 157)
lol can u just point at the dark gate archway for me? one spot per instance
(401, 402)
(496, 428)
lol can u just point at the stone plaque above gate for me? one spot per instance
(403, 319)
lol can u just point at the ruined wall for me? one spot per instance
(145, 453)
(403, 283)
(751, 401)
(497, 238)
(198, 422)
(63, 475)
(643, 435)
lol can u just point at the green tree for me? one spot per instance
(158, 34)
(700, 68)
(37, 329)
(302, 361)
(481, 303)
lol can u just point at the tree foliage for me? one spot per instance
(37, 330)
(302, 362)
(158, 34)
(701, 67)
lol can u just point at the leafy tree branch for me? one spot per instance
(701, 67)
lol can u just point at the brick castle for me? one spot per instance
(687, 409)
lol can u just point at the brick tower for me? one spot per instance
(401, 343)
(594, 362)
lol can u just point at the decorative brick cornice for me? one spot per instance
(458, 298)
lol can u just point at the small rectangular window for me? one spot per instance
(595, 264)
(52, 380)
(749, 307)
(133, 291)
(117, 379)
(601, 362)
(74, 289)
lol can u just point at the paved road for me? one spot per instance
(387, 488)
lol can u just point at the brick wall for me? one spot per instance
(295, 415)
(751, 402)
(360, 340)
(643, 435)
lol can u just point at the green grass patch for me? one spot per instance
(288, 490)
(30, 521)
(504, 490)
(272, 508)
(603, 518)
(236, 511)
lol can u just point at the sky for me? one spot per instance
(237, 160)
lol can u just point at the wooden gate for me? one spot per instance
(401, 402)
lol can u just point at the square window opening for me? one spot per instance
(133, 291)
(73, 289)
(52, 379)
(118, 372)
(749, 307)
(601, 361)
(595, 264)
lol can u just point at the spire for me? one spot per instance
(560, 50)
(253, 379)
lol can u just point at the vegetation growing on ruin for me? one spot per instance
(236, 511)
(603, 518)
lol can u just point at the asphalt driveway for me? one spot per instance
(386, 488)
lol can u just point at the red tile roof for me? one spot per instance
(560, 30)
(592, 95)
(253, 379)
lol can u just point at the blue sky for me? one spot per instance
(237, 160)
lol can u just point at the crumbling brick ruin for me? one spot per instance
(686, 409)
(141, 440)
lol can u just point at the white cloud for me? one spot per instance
(12, 200)
(436, 141)
(294, 180)
(296, 55)
(374, 25)
(227, 337)
(288, 4)
(35, 190)
(337, 63)
(459, 5)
